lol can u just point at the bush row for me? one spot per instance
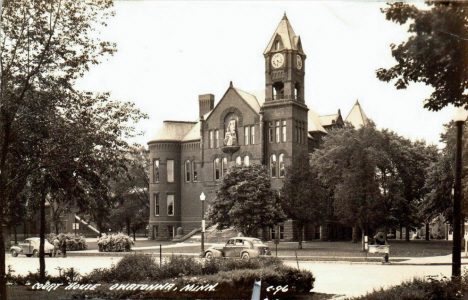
(74, 242)
(115, 243)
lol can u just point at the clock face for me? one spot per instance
(299, 62)
(277, 60)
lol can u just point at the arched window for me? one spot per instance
(188, 172)
(246, 161)
(281, 165)
(217, 171)
(224, 165)
(273, 165)
(238, 161)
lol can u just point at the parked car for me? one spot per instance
(242, 247)
(30, 247)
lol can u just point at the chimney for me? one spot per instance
(206, 103)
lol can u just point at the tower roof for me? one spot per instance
(289, 39)
(356, 116)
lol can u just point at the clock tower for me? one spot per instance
(284, 105)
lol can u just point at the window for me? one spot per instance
(246, 135)
(170, 170)
(211, 139)
(217, 138)
(273, 165)
(156, 170)
(270, 132)
(277, 130)
(156, 204)
(246, 161)
(224, 165)
(188, 172)
(281, 232)
(170, 205)
(284, 131)
(238, 161)
(277, 45)
(216, 169)
(195, 171)
(281, 165)
(252, 135)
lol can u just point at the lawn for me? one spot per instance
(398, 248)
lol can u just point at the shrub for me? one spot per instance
(74, 242)
(115, 243)
(135, 267)
(66, 276)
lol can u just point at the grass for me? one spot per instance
(398, 248)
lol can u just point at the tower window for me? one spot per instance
(284, 131)
(277, 130)
(273, 165)
(270, 132)
(297, 91)
(188, 172)
(277, 45)
(278, 90)
(217, 138)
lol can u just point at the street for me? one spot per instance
(341, 278)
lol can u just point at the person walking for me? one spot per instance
(56, 244)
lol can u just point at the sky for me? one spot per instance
(168, 53)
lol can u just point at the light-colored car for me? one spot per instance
(240, 247)
(30, 247)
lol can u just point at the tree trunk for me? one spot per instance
(128, 228)
(16, 237)
(3, 290)
(299, 234)
(56, 228)
(427, 231)
(134, 237)
(401, 231)
(355, 234)
(407, 231)
(42, 238)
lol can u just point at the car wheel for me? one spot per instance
(50, 254)
(209, 255)
(245, 256)
(35, 253)
(14, 253)
(28, 255)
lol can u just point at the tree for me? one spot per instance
(434, 53)
(302, 197)
(65, 135)
(244, 199)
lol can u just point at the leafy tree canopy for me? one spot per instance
(244, 200)
(435, 52)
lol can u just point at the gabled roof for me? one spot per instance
(173, 131)
(249, 98)
(288, 37)
(356, 116)
(314, 123)
(329, 119)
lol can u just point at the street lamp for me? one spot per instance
(459, 119)
(202, 199)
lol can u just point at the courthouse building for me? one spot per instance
(267, 127)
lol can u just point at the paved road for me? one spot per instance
(331, 277)
(359, 279)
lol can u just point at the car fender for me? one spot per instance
(216, 253)
(16, 248)
(252, 252)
